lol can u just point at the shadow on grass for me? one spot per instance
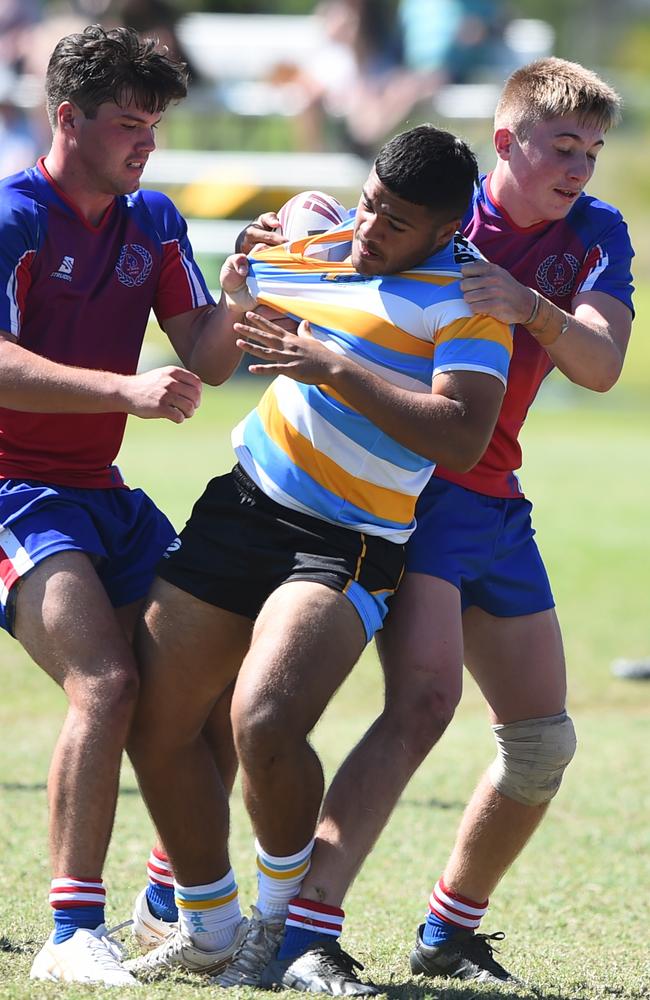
(444, 990)
(432, 804)
(423, 989)
(16, 948)
(17, 786)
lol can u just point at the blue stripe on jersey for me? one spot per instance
(298, 484)
(360, 430)
(418, 369)
(484, 354)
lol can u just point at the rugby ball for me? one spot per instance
(309, 213)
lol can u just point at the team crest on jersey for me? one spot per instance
(556, 274)
(134, 265)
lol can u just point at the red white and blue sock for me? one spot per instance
(279, 879)
(160, 890)
(76, 903)
(308, 924)
(450, 913)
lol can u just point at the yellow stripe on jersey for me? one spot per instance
(386, 504)
(478, 327)
(365, 325)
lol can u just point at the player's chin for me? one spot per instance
(367, 263)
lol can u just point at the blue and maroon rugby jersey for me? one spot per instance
(589, 250)
(81, 295)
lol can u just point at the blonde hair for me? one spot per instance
(553, 88)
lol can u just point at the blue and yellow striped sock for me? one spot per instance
(279, 879)
(209, 914)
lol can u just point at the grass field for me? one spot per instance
(575, 904)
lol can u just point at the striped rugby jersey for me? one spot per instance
(303, 445)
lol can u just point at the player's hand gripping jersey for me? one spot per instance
(81, 295)
(304, 445)
(587, 251)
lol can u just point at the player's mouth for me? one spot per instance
(366, 251)
(136, 164)
(567, 194)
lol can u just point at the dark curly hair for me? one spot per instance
(429, 167)
(96, 66)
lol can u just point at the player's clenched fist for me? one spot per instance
(488, 288)
(171, 393)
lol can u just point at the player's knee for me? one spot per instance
(421, 704)
(262, 733)
(531, 758)
(110, 694)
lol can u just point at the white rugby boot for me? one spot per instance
(180, 952)
(89, 956)
(148, 930)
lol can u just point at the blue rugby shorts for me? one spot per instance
(122, 531)
(482, 545)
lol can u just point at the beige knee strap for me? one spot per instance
(531, 758)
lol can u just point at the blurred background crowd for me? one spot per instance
(343, 74)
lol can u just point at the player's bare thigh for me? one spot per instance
(517, 662)
(421, 644)
(66, 622)
(306, 640)
(188, 652)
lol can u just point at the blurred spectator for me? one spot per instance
(452, 39)
(153, 19)
(16, 20)
(359, 78)
(20, 142)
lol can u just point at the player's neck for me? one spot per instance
(90, 203)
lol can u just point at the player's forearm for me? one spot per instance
(35, 384)
(214, 355)
(584, 351)
(434, 426)
(588, 356)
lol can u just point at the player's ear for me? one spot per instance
(66, 116)
(503, 140)
(446, 231)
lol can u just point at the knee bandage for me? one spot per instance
(531, 758)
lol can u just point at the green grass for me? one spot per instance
(575, 904)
